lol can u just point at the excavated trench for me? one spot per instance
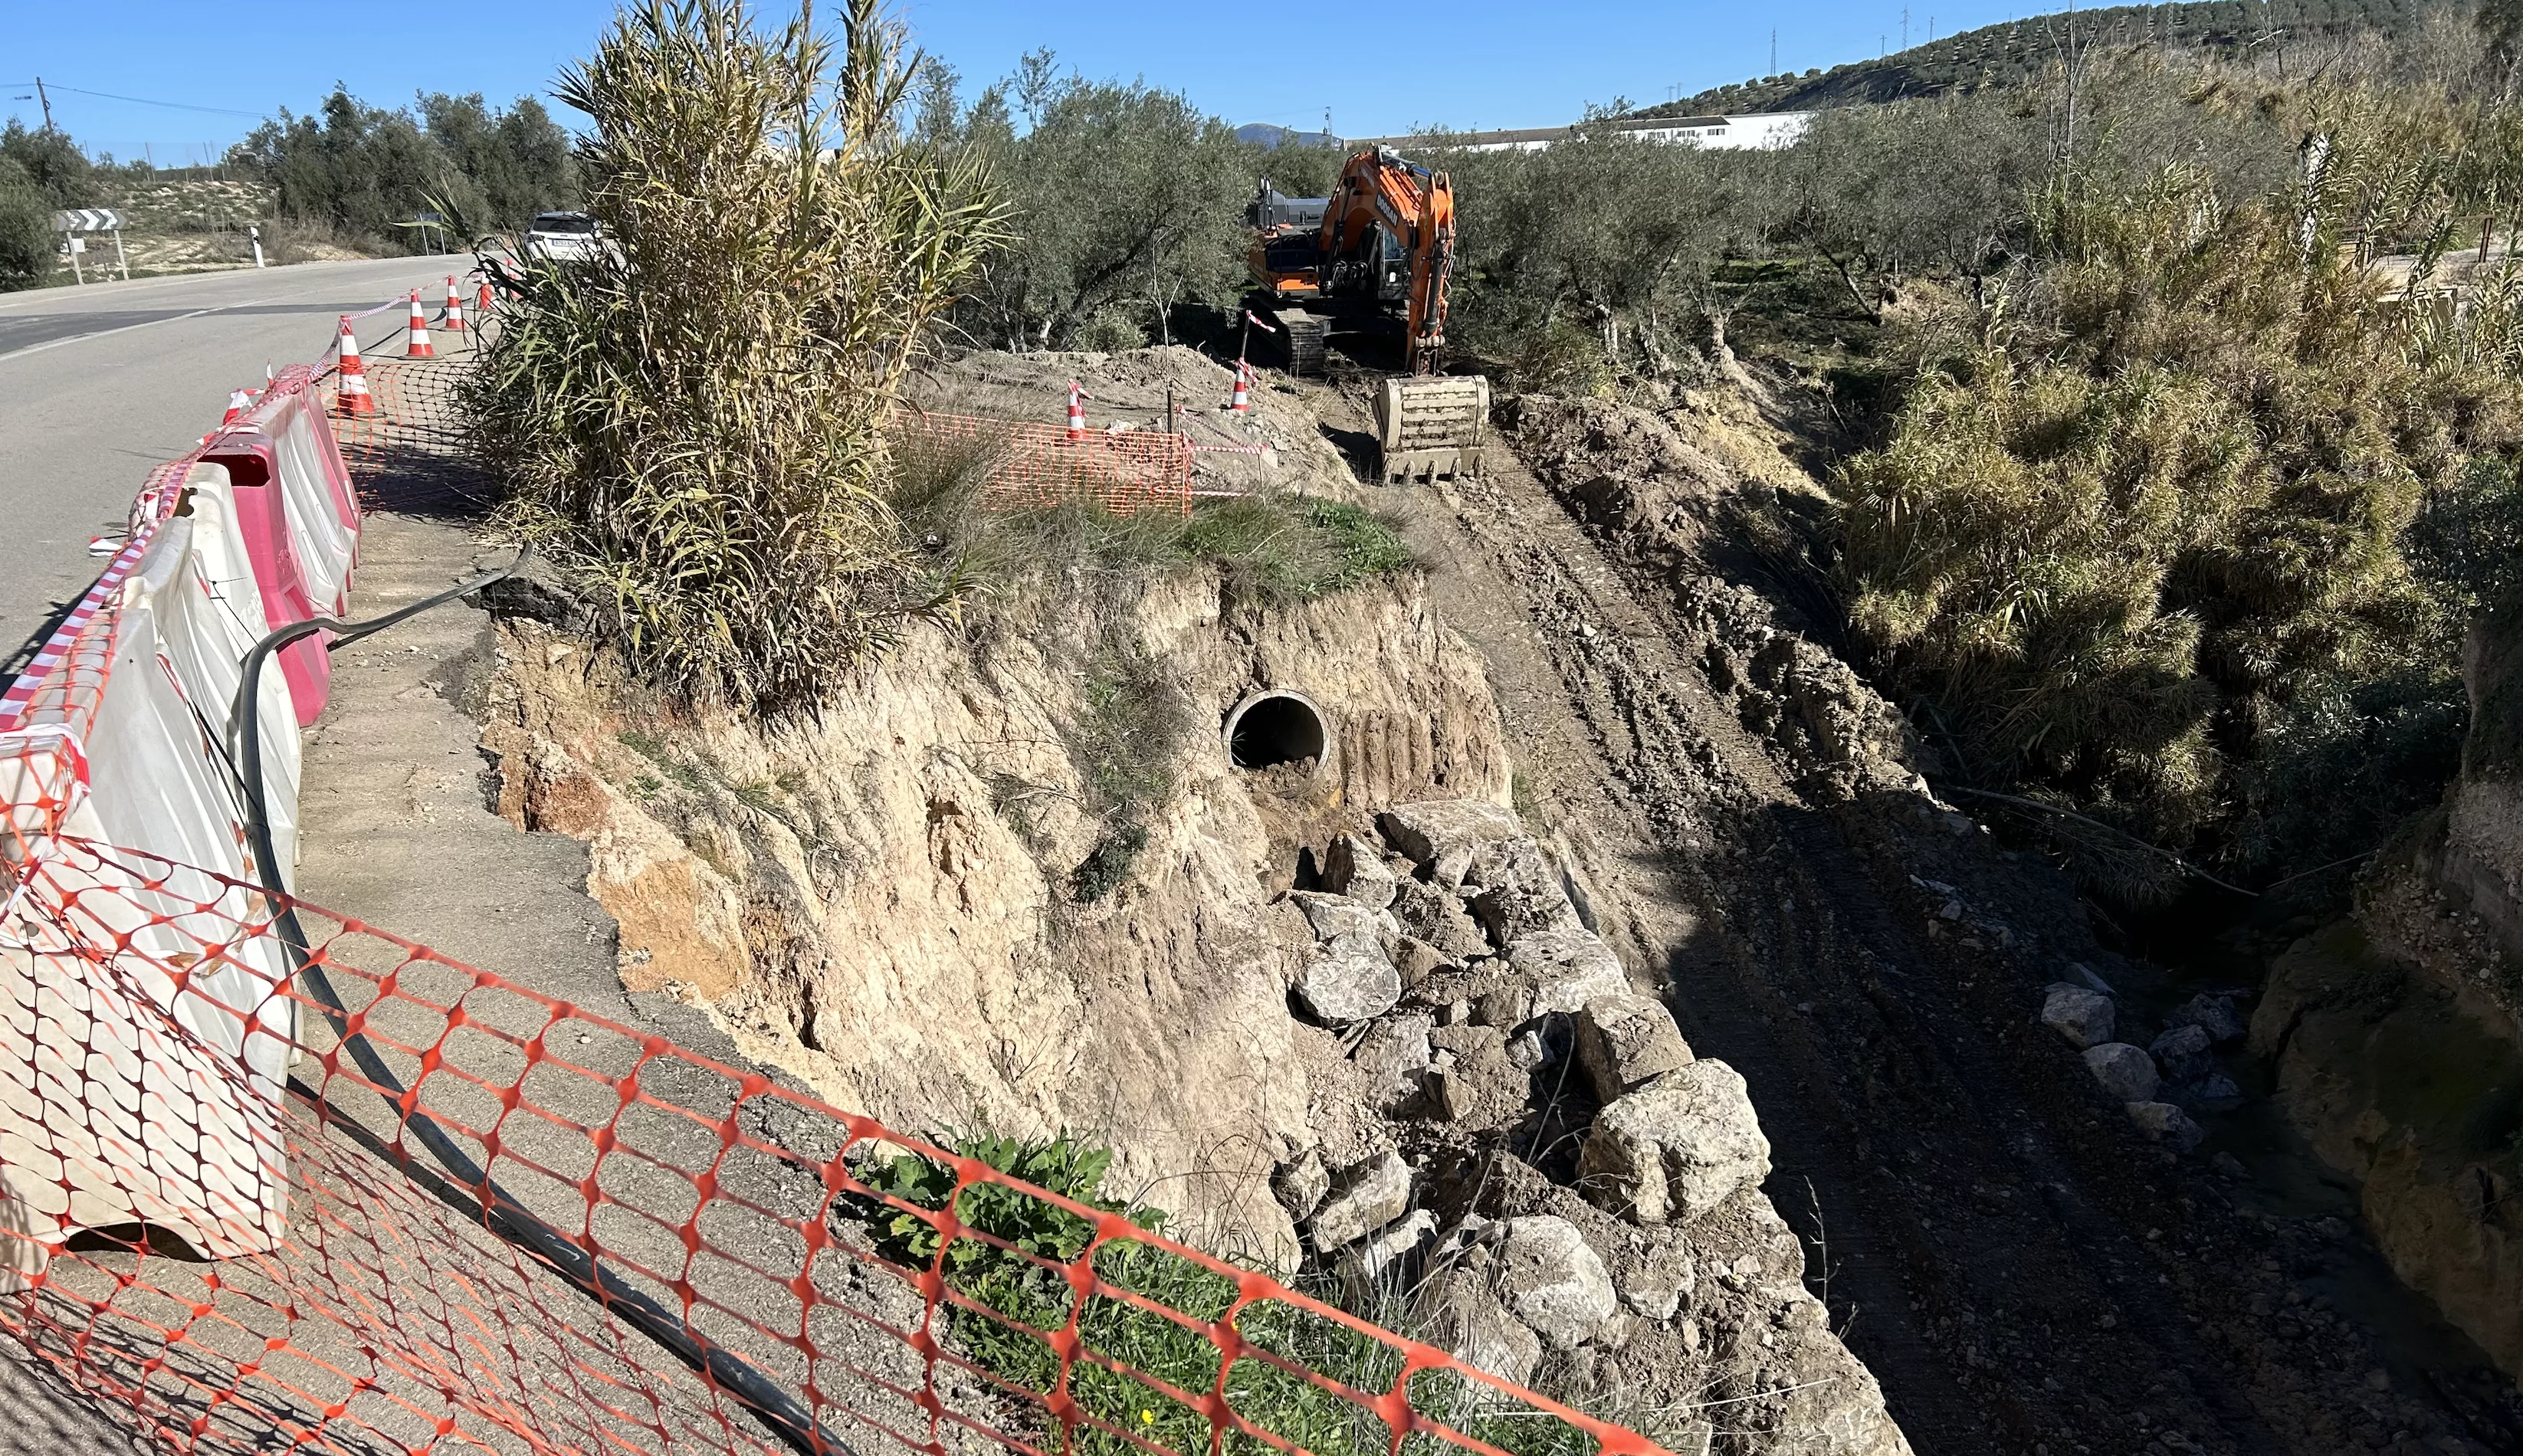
(2021, 1269)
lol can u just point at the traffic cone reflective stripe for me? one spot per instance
(1076, 412)
(454, 308)
(353, 397)
(418, 347)
(240, 400)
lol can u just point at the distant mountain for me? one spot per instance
(2017, 51)
(1264, 134)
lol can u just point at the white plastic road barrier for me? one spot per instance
(144, 1084)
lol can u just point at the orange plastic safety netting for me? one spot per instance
(876, 1293)
(1023, 465)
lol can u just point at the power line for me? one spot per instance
(180, 106)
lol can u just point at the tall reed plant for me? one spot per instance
(691, 421)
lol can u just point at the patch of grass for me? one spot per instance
(1109, 866)
(1277, 550)
(684, 776)
(1023, 1297)
(1124, 745)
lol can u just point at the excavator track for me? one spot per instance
(1306, 337)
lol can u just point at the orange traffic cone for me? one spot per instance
(353, 397)
(454, 308)
(240, 400)
(481, 301)
(1241, 403)
(1076, 412)
(420, 333)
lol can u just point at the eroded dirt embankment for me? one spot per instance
(2022, 1268)
(1344, 1011)
(885, 905)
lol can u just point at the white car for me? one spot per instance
(563, 237)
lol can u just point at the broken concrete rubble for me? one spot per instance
(2125, 1073)
(1552, 1281)
(1626, 1043)
(1352, 869)
(1676, 1150)
(1433, 829)
(2166, 1123)
(1365, 1198)
(2081, 1015)
(2182, 1053)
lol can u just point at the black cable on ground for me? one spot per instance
(505, 1216)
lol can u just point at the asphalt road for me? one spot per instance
(99, 384)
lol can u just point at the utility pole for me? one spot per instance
(46, 98)
(1773, 50)
(1905, 28)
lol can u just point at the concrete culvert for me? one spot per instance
(1270, 728)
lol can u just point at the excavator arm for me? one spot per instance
(1432, 261)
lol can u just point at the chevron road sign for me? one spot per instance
(78, 221)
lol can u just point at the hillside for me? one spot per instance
(2014, 51)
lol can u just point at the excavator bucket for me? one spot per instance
(1430, 426)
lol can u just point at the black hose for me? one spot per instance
(502, 1213)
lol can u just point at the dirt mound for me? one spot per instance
(1277, 446)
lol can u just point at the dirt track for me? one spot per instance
(2019, 1270)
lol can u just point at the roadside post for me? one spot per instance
(254, 235)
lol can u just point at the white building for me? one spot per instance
(1763, 131)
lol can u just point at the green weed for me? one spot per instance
(1022, 1298)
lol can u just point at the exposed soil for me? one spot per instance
(2023, 1271)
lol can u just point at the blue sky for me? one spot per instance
(1491, 64)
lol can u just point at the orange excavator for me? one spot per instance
(1378, 251)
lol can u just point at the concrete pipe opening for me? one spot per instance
(1270, 728)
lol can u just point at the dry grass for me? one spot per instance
(2151, 496)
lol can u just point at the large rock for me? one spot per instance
(2125, 1073)
(1428, 830)
(2213, 1014)
(1567, 967)
(1301, 1186)
(1352, 870)
(1392, 1055)
(1480, 1085)
(1520, 891)
(1347, 982)
(2166, 1123)
(1657, 1285)
(2083, 1016)
(1364, 1198)
(1676, 1150)
(1548, 1276)
(2183, 1053)
(1626, 1043)
(1339, 917)
(1458, 1312)
(1439, 919)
